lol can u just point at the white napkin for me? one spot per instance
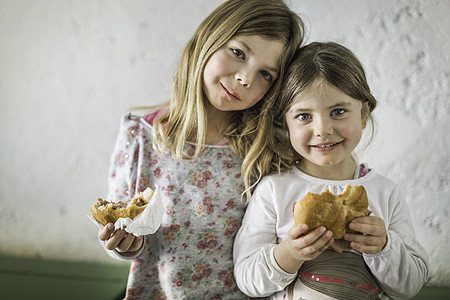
(147, 222)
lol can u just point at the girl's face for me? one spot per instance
(325, 125)
(241, 72)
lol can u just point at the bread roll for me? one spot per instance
(334, 212)
(109, 212)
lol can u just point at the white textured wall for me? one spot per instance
(70, 69)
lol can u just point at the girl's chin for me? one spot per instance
(329, 169)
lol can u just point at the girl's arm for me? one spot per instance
(263, 265)
(256, 272)
(402, 266)
(122, 187)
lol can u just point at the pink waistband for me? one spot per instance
(329, 279)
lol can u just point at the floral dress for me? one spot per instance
(190, 256)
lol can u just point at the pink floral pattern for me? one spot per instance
(190, 256)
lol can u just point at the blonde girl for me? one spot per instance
(192, 149)
(324, 106)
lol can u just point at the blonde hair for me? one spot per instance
(186, 118)
(311, 66)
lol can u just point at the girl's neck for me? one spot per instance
(217, 122)
(343, 171)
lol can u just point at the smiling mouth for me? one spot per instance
(325, 147)
(230, 92)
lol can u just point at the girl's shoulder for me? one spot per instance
(147, 120)
(278, 178)
(151, 117)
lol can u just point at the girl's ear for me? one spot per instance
(365, 111)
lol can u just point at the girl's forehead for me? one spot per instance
(313, 90)
(323, 91)
(252, 37)
(262, 36)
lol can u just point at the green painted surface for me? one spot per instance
(23, 279)
(433, 293)
(42, 279)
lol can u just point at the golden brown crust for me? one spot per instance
(109, 212)
(334, 212)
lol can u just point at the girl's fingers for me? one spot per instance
(310, 245)
(105, 232)
(137, 244)
(115, 239)
(324, 240)
(368, 225)
(130, 243)
(120, 239)
(296, 231)
(365, 248)
(364, 239)
(366, 243)
(327, 244)
(315, 249)
(125, 243)
(315, 242)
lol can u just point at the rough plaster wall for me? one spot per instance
(70, 69)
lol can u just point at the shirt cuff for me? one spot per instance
(279, 272)
(128, 257)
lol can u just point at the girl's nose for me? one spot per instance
(244, 78)
(323, 127)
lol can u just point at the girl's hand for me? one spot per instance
(309, 246)
(299, 247)
(372, 237)
(124, 242)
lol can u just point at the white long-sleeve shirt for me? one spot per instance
(401, 268)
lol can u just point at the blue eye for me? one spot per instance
(266, 75)
(337, 112)
(304, 117)
(239, 53)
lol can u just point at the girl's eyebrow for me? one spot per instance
(272, 69)
(305, 109)
(341, 104)
(296, 109)
(244, 45)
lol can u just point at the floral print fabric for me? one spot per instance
(190, 256)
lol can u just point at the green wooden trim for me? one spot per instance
(433, 293)
(25, 278)
(52, 268)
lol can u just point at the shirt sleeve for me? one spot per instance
(124, 162)
(401, 267)
(123, 170)
(256, 272)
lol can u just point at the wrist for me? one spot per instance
(285, 259)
